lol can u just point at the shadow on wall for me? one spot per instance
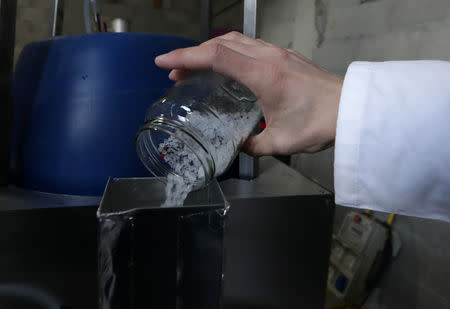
(424, 255)
(234, 306)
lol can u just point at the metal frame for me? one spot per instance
(56, 17)
(7, 41)
(206, 9)
(248, 166)
(251, 17)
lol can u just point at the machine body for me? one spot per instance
(275, 247)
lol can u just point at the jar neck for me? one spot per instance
(148, 141)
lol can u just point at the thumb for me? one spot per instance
(258, 145)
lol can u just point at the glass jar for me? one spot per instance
(197, 129)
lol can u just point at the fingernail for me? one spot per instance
(161, 57)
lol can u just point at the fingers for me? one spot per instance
(220, 59)
(257, 51)
(186, 58)
(290, 51)
(299, 55)
(265, 43)
(239, 37)
(177, 75)
(200, 57)
(234, 40)
(258, 145)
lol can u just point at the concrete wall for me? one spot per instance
(32, 23)
(384, 30)
(335, 33)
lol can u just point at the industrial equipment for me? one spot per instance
(7, 40)
(78, 102)
(49, 243)
(360, 253)
(151, 256)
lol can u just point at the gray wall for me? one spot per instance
(335, 33)
(32, 22)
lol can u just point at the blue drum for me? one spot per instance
(78, 103)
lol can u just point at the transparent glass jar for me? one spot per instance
(197, 129)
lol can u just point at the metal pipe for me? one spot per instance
(206, 20)
(248, 166)
(91, 6)
(119, 25)
(7, 42)
(251, 12)
(56, 17)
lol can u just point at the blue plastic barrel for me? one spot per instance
(78, 103)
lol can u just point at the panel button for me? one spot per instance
(341, 283)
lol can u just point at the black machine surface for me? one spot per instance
(151, 256)
(7, 40)
(276, 245)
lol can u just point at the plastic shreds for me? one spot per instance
(222, 131)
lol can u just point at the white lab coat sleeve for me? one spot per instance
(392, 149)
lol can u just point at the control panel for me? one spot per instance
(355, 252)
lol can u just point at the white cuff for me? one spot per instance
(348, 133)
(391, 150)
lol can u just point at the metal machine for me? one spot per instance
(7, 39)
(276, 243)
(360, 253)
(276, 238)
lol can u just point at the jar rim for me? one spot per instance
(168, 126)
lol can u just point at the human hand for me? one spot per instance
(299, 99)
